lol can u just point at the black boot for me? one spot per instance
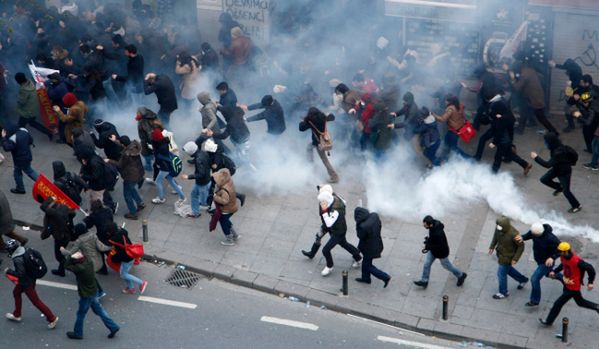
(313, 251)
(241, 198)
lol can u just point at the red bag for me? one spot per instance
(467, 132)
(218, 212)
(135, 251)
(112, 265)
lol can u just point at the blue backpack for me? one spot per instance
(175, 165)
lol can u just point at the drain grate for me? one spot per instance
(183, 278)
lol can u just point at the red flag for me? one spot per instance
(43, 188)
(48, 115)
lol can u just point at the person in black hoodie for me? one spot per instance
(119, 239)
(201, 175)
(102, 218)
(273, 114)
(560, 166)
(69, 183)
(368, 228)
(316, 121)
(502, 126)
(25, 284)
(436, 247)
(135, 70)
(544, 246)
(107, 139)
(93, 172)
(164, 89)
(58, 223)
(237, 129)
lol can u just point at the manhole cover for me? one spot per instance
(183, 278)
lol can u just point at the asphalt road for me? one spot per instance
(214, 314)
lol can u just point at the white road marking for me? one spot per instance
(167, 302)
(56, 284)
(409, 343)
(400, 329)
(298, 324)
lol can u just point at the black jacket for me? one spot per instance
(70, 183)
(228, 100)
(20, 270)
(273, 114)
(18, 143)
(111, 149)
(503, 127)
(93, 171)
(165, 92)
(135, 73)
(100, 219)
(436, 242)
(315, 122)
(368, 228)
(543, 246)
(58, 221)
(202, 168)
(236, 126)
(117, 240)
(561, 168)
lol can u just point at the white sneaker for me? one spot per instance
(149, 180)
(52, 324)
(326, 271)
(157, 200)
(356, 264)
(11, 317)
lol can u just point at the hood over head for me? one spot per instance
(222, 176)
(504, 223)
(204, 97)
(552, 140)
(146, 113)
(59, 169)
(361, 214)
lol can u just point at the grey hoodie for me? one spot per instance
(208, 111)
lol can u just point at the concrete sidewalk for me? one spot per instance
(274, 229)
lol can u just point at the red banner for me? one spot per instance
(43, 188)
(48, 115)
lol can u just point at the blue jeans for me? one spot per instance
(132, 197)
(130, 279)
(148, 161)
(535, 280)
(225, 223)
(430, 153)
(369, 269)
(595, 149)
(503, 271)
(18, 174)
(199, 196)
(165, 175)
(451, 144)
(445, 263)
(84, 304)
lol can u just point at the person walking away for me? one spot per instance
(7, 224)
(25, 283)
(58, 223)
(273, 114)
(454, 117)
(509, 251)
(75, 116)
(119, 240)
(436, 247)
(132, 173)
(86, 242)
(189, 68)
(28, 107)
(147, 121)
(201, 176)
(316, 121)
(368, 228)
(163, 87)
(18, 142)
(69, 183)
(544, 246)
(102, 218)
(162, 162)
(322, 231)
(562, 158)
(240, 135)
(97, 175)
(332, 213)
(502, 126)
(87, 287)
(226, 201)
(107, 139)
(574, 269)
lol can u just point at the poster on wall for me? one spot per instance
(254, 17)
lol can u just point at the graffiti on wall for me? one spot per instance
(253, 15)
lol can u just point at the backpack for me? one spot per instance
(111, 175)
(567, 155)
(35, 266)
(70, 188)
(175, 165)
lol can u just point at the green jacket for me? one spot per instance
(507, 248)
(87, 286)
(27, 102)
